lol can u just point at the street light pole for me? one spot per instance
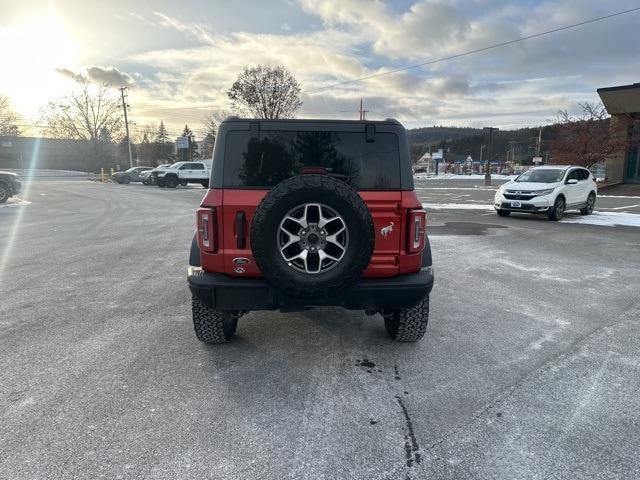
(487, 175)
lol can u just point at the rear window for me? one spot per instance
(264, 161)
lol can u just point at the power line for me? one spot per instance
(471, 52)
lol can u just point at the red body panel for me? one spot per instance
(389, 258)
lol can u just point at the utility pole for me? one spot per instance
(539, 142)
(363, 113)
(126, 123)
(487, 175)
(481, 149)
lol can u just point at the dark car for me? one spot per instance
(131, 175)
(9, 186)
(309, 213)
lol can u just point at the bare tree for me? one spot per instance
(585, 139)
(90, 113)
(209, 131)
(8, 118)
(266, 92)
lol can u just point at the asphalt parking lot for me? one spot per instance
(530, 367)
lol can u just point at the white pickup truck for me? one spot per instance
(181, 173)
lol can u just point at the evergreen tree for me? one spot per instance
(163, 146)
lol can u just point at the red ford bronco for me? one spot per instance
(309, 213)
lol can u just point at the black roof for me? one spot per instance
(386, 121)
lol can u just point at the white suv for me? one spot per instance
(181, 173)
(552, 189)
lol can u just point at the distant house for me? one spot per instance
(623, 104)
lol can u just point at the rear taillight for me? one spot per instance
(417, 230)
(207, 230)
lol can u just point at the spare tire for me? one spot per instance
(312, 236)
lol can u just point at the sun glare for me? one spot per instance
(30, 52)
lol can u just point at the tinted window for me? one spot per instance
(197, 166)
(583, 174)
(274, 156)
(541, 175)
(573, 175)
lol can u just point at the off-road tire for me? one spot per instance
(145, 182)
(212, 326)
(161, 183)
(408, 325)
(557, 211)
(171, 181)
(591, 202)
(183, 183)
(4, 193)
(503, 213)
(126, 180)
(312, 188)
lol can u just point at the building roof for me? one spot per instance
(623, 99)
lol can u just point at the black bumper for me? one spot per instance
(223, 292)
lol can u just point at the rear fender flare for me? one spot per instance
(194, 254)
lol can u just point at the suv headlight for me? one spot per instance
(540, 193)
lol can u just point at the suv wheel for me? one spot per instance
(503, 213)
(212, 326)
(591, 203)
(126, 180)
(4, 193)
(558, 209)
(312, 235)
(183, 183)
(408, 325)
(171, 181)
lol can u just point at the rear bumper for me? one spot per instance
(223, 292)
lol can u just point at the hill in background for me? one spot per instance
(460, 142)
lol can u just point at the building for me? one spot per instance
(623, 104)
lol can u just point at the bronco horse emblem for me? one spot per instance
(385, 231)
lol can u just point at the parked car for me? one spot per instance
(550, 190)
(131, 175)
(182, 173)
(309, 213)
(149, 176)
(9, 186)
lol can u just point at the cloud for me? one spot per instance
(65, 72)
(521, 84)
(108, 76)
(194, 31)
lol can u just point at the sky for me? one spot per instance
(180, 58)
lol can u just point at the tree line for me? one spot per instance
(92, 114)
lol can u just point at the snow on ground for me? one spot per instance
(607, 219)
(458, 206)
(14, 202)
(452, 176)
(43, 172)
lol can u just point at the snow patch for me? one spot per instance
(458, 206)
(607, 219)
(451, 176)
(14, 202)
